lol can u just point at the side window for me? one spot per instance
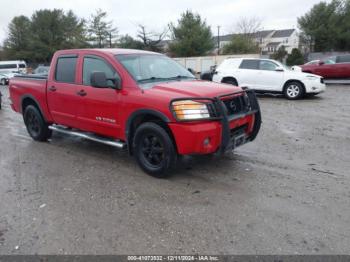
(65, 69)
(343, 59)
(95, 64)
(267, 65)
(250, 64)
(332, 59)
(8, 66)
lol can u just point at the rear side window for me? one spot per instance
(250, 64)
(8, 66)
(22, 66)
(65, 69)
(343, 59)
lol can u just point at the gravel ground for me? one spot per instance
(288, 192)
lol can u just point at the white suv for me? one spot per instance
(267, 75)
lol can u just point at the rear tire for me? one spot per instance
(294, 90)
(37, 128)
(154, 150)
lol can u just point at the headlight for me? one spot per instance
(190, 110)
(312, 77)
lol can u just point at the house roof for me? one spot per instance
(263, 33)
(225, 37)
(283, 33)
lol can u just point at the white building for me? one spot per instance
(270, 41)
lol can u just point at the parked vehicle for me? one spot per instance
(139, 100)
(332, 67)
(41, 70)
(208, 75)
(13, 67)
(5, 78)
(265, 75)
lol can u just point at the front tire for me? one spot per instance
(154, 150)
(37, 128)
(294, 90)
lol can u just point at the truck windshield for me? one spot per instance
(153, 68)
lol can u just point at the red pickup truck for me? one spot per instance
(142, 101)
(333, 67)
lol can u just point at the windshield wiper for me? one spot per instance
(180, 77)
(153, 78)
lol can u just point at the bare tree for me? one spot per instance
(245, 38)
(248, 26)
(151, 40)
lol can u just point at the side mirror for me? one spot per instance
(279, 69)
(213, 68)
(117, 83)
(191, 71)
(100, 80)
(321, 63)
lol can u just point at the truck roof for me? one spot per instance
(113, 51)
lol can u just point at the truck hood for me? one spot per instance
(190, 88)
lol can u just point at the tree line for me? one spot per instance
(326, 26)
(36, 38)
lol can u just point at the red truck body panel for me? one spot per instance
(107, 111)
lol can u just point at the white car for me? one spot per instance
(5, 78)
(265, 75)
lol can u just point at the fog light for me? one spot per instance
(206, 141)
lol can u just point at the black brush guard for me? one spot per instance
(221, 115)
(254, 109)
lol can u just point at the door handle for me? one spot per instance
(52, 88)
(81, 93)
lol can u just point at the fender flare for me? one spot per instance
(35, 102)
(138, 113)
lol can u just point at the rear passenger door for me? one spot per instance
(247, 72)
(61, 91)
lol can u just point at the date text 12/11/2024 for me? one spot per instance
(173, 258)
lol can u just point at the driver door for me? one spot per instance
(268, 78)
(99, 108)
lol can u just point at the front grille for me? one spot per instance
(238, 130)
(236, 105)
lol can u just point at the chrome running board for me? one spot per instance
(89, 136)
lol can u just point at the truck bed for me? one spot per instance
(33, 86)
(32, 76)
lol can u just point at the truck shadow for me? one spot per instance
(194, 167)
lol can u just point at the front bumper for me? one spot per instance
(315, 86)
(219, 135)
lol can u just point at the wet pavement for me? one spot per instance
(288, 192)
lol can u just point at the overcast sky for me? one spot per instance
(156, 14)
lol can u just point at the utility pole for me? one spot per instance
(110, 39)
(218, 40)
